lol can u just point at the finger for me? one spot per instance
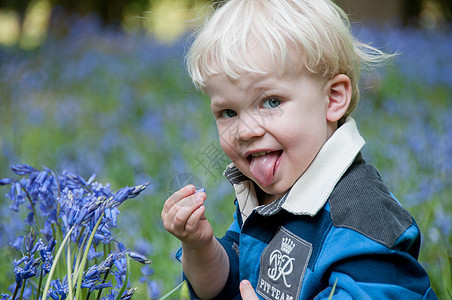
(247, 291)
(195, 217)
(178, 196)
(182, 214)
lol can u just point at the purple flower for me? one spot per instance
(139, 257)
(17, 244)
(23, 169)
(59, 289)
(28, 271)
(111, 296)
(16, 195)
(121, 267)
(80, 204)
(129, 192)
(154, 289)
(47, 256)
(104, 285)
(30, 218)
(128, 294)
(6, 181)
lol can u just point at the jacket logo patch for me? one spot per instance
(283, 264)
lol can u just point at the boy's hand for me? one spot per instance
(183, 216)
(246, 291)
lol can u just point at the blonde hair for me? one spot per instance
(318, 31)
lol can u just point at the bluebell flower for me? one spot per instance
(18, 262)
(92, 254)
(121, 247)
(128, 294)
(51, 219)
(121, 269)
(100, 190)
(111, 214)
(16, 195)
(122, 194)
(73, 180)
(103, 285)
(104, 235)
(35, 185)
(28, 271)
(129, 192)
(29, 242)
(6, 181)
(139, 257)
(38, 245)
(92, 278)
(23, 169)
(47, 256)
(154, 289)
(143, 246)
(147, 270)
(29, 220)
(18, 271)
(80, 205)
(59, 289)
(108, 262)
(17, 244)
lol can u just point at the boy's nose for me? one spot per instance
(249, 128)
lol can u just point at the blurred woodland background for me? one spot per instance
(28, 21)
(100, 86)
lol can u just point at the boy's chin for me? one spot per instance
(269, 193)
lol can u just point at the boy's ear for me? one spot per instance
(339, 95)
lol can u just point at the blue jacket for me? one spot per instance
(362, 240)
(343, 229)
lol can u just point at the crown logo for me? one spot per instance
(287, 245)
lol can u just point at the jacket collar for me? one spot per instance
(311, 191)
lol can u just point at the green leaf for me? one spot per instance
(332, 290)
(57, 256)
(85, 258)
(172, 291)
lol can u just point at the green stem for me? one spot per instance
(39, 285)
(22, 289)
(16, 290)
(172, 291)
(69, 271)
(85, 257)
(55, 260)
(103, 281)
(58, 234)
(124, 284)
(34, 210)
(79, 254)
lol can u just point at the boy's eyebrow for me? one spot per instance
(256, 93)
(217, 103)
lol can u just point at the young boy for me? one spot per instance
(282, 76)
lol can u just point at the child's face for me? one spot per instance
(270, 126)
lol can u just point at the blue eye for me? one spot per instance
(228, 113)
(271, 103)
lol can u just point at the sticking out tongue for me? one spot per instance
(263, 167)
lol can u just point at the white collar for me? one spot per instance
(311, 191)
